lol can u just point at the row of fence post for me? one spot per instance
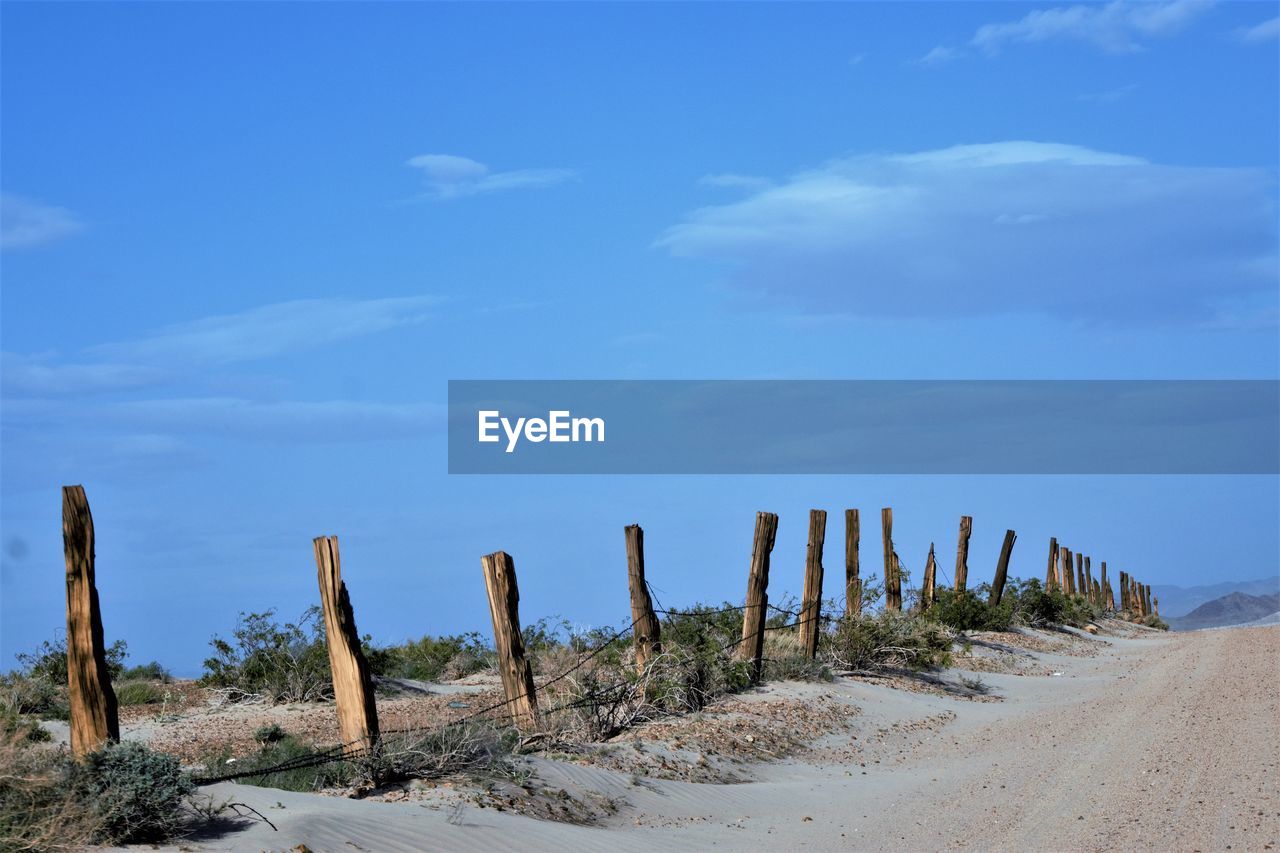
(94, 717)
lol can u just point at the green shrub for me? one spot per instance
(136, 793)
(21, 694)
(969, 611)
(147, 672)
(887, 640)
(139, 693)
(279, 750)
(270, 733)
(48, 662)
(431, 658)
(1151, 620)
(281, 663)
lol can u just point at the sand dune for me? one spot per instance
(1132, 740)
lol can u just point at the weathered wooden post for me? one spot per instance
(811, 601)
(754, 613)
(1105, 584)
(852, 579)
(645, 629)
(1051, 573)
(962, 553)
(1081, 589)
(930, 578)
(1146, 600)
(504, 607)
(1088, 582)
(1155, 606)
(1124, 590)
(892, 582)
(94, 718)
(352, 680)
(1065, 568)
(1002, 568)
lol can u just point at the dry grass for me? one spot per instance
(39, 810)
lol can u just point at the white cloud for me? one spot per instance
(1116, 27)
(27, 224)
(940, 55)
(733, 181)
(30, 375)
(450, 176)
(270, 330)
(1263, 32)
(1005, 227)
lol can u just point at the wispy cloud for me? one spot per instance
(26, 223)
(940, 55)
(450, 176)
(1266, 31)
(22, 374)
(733, 181)
(1120, 26)
(1021, 227)
(270, 330)
(1108, 96)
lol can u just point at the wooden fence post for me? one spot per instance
(504, 606)
(645, 628)
(352, 680)
(1124, 591)
(94, 718)
(757, 603)
(811, 601)
(892, 581)
(930, 578)
(962, 553)
(1090, 592)
(1051, 573)
(1146, 600)
(1155, 606)
(1002, 568)
(852, 579)
(1081, 589)
(1064, 566)
(1104, 584)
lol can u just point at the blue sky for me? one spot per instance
(245, 247)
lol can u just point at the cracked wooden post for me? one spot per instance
(1088, 582)
(504, 607)
(1064, 569)
(1155, 606)
(1104, 584)
(852, 579)
(645, 628)
(1051, 573)
(811, 601)
(962, 553)
(352, 680)
(94, 717)
(1124, 591)
(1146, 600)
(1002, 568)
(892, 580)
(1081, 589)
(754, 613)
(930, 579)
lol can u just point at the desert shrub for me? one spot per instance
(278, 750)
(785, 660)
(1151, 620)
(39, 807)
(147, 672)
(48, 662)
(431, 658)
(270, 733)
(969, 611)
(136, 793)
(21, 694)
(887, 640)
(139, 693)
(278, 662)
(473, 746)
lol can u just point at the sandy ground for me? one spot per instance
(1131, 740)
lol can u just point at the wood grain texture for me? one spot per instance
(647, 631)
(930, 579)
(1051, 573)
(513, 665)
(352, 678)
(94, 716)
(757, 603)
(811, 601)
(852, 578)
(892, 581)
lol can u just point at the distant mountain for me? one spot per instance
(1233, 609)
(1181, 600)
